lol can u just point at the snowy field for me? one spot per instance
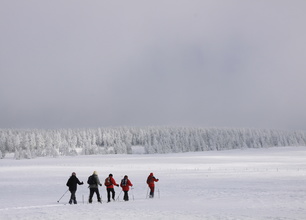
(236, 184)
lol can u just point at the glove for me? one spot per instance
(117, 185)
(100, 184)
(82, 183)
(157, 179)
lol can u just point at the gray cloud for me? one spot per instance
(199, 63)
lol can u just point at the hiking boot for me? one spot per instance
(75, 202)
(70, 201)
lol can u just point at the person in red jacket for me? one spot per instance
(109, 183)
(125, 185)
(150, 181)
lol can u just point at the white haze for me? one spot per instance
(103, 63)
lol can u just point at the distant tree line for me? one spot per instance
(46, 143)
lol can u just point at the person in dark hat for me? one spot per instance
(72, 183)
(125, 185)
(109, 183)
(150, 181)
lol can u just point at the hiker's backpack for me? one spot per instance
(107, 182)
(124, 182)
(91, 180)
(150, 179)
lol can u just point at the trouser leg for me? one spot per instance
(108, 194)
(98, 194)
(126, 196)
(113, 193)
(73, 198)
(91, 192)
(151, 191)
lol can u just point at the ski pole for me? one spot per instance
(132, 193)
(101, 196)
(158, 191)
(63, 195)
(147, 192)
(118, 196)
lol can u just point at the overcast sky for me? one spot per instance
(204, 63)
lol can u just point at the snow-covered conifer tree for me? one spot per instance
(2, 144)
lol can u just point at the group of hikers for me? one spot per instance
(94, 182)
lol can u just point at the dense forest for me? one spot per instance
(121, 140)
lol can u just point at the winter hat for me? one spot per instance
(125, 176)
(95, 172)
(73, 173)
(151, 174)
(110, 174)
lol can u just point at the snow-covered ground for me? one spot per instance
(236, 184)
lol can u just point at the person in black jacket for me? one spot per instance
(72, 184)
